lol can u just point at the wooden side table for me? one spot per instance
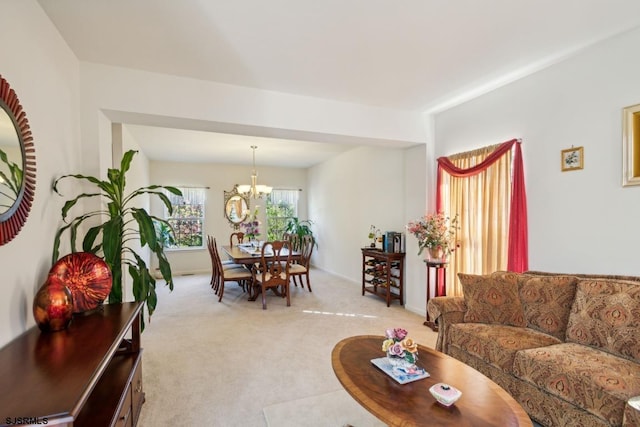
(440, 269)
(87, 375)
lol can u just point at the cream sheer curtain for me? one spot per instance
(482, 202)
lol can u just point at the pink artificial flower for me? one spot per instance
(400, 333)
(396, 350)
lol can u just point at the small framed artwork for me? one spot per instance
(572, 159)
(631, 145)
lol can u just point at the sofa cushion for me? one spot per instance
(496, 345)
(606, 315)
(492, 298)
(546, 302)
(592, 379)
(584, 276)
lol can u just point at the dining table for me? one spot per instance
(249, 254)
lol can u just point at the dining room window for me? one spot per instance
(282, 205)
(187, 220)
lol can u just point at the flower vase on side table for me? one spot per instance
(436, 254)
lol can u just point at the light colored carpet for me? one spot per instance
(325, 410)
(221, 364)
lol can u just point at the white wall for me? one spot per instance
(219, 178)
(45, 75)
(417, 181)
(579, 221)
(363, 187)
(347, 195)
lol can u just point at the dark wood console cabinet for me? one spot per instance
(87, 375)
(383, 274)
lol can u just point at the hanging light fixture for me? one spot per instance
(254, 190)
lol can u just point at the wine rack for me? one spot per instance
(383, 274)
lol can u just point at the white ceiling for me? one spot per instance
(419, 55)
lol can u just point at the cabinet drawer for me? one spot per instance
(124, 418)
(137, 393)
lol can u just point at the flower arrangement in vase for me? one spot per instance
(436, 233)
(401, 350)
(251, 226)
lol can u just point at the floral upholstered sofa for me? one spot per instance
(566, 347)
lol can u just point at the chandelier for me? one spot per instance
(254, 190)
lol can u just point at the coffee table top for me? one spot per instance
(483, 402)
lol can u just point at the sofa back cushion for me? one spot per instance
(606, 315)
(546, 302)
(584, 276)
(492, 298)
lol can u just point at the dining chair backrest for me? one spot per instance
(301, 268)
(306, 249)
(295, 241)
(237, 236)
(275, 260)
(274, 269)
(215, 272)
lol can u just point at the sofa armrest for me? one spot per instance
(445, 311)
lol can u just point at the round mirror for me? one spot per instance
(17, 164)
(10, 163)
(236, 207)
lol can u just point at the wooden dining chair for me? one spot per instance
(241, 275)
(220, 271)
(301, 266)
(215, 273)
(273, 270)
(295, 241)
(214, 264)
(237, 237)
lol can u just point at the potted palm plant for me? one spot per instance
(300, 228)
(111, 239)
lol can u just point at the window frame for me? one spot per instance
(283, 219)
(202, 218)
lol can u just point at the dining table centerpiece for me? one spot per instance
(251, 226)
(435, 232)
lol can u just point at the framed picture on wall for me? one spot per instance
(572, 159)
(631, 145)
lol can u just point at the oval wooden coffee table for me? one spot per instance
(483, 402)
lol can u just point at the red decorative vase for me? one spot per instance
(53, 306)
(88, 278)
